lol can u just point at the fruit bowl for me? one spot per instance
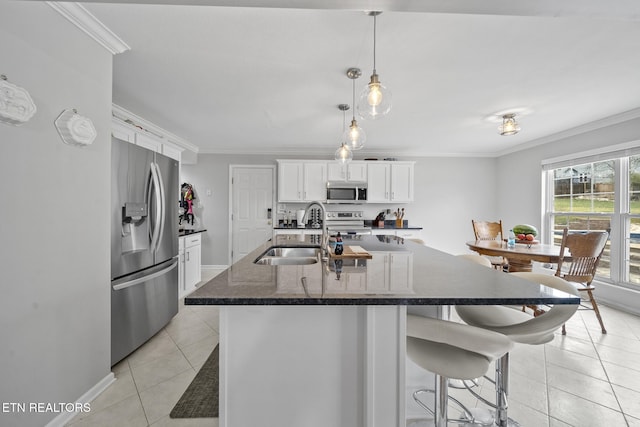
(527, 242)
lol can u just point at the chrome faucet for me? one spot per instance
(325, 232)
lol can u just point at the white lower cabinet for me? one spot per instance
(189, 268)
(181, 292)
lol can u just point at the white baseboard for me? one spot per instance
(90, 395)
(624, 299)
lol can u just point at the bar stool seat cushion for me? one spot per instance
(519, 326)
(453, 350)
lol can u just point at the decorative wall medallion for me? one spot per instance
(75, 129)
(16, 105)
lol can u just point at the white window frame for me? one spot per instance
(620, 217)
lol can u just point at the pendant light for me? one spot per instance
(343, 153)
(355, 136)
(375, 100)
(509, 125)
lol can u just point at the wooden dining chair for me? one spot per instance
(585, 250)
(487, 230)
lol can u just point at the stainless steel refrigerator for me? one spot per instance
(144, 245)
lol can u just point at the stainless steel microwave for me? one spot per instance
(344, 192)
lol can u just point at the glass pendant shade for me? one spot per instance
(375, 100)
(509, 125)
(344, 154)
(354, 137)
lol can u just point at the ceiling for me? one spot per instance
(268, 79)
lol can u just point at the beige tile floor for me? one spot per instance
(582, 379)
(150, 381)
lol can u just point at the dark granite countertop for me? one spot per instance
(187, 232)
(391, 225)
(400, 273)
(294, 226)
(388, 225)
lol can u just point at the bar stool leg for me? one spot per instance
(502, 390)
(441, 401)
(502, 393)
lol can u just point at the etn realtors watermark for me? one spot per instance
(41, 407)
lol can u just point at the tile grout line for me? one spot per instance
(613, 390)
(133, 378)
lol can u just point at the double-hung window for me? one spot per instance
(598, 191)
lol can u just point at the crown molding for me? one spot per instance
(83, 19)
(126, 115)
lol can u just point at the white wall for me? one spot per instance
(212, 212)
(520, 178)
(449, 192)
(55, 300)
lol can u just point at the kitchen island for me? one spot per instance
(323, 344)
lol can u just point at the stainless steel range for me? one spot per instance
(346, 222)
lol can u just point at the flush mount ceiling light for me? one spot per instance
(355, 136)
(343, 153)
(509, 125)
(375, 100)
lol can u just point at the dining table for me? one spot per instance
(519, 256)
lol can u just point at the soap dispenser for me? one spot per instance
(339, 248)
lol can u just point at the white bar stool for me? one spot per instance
(521, 327)
(451, 350)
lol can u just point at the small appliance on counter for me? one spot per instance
(300, 218)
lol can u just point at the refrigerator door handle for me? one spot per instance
(143, 279)
(155, 189)
(163, 204)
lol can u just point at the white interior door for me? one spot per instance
(252, 201)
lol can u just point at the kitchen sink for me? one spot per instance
(277, 255)
(286, 261)
(294, 252)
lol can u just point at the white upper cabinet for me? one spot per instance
(290, 181)
(315, 181)
(123, 131)
(172, 151)
(302, 181)
(390, 182)
(306, 180)
(129, 133)
(379, 183)
(401, 182)
(148, 142)
(355, 171)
